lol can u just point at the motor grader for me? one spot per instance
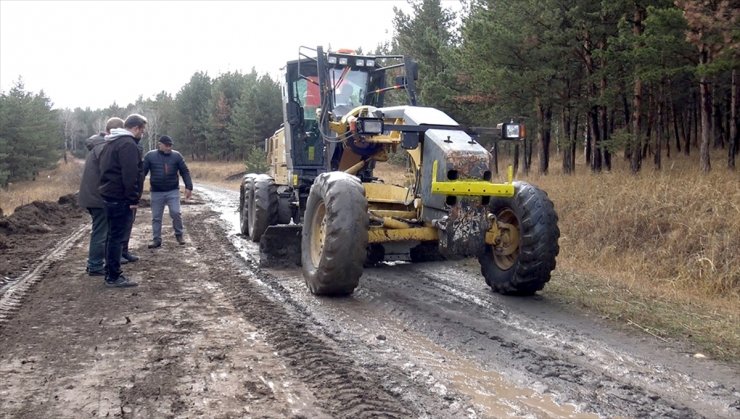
(321, 204)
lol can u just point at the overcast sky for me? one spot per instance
(94, 53)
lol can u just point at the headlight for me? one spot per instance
(360, 63)
(342, 60)
(512, 131)
(369, 126)
(332, 59)
(370, 63)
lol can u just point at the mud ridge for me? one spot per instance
(352, 393)
(12, 294)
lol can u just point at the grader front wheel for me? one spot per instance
(335, 234)
(521, 260)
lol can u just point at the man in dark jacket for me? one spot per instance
(120, 183)
(89, 198)
(165, 164)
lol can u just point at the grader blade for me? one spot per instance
(280, 246)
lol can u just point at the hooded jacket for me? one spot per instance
(89, 196)
(165, 169)
(121, 168)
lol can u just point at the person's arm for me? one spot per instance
(147, 166)
(185, 173)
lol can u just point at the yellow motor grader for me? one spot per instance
(321, 206)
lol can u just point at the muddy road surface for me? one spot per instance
(208, 333)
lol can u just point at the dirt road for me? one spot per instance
(210, 334)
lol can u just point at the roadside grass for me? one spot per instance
(48, 186)
(223, 174)
(656, 252)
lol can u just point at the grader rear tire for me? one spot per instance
(263, 207)
(522, 266)
(245, 197)
(335, 234)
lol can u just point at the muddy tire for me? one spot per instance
(334, 237)
(522, 266)
(263, 206)
(245, 197)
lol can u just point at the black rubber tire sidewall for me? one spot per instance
(263, 206)
(340, 264)
(538, 243)
(245, 191)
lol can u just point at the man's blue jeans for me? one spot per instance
(96, 250)
(119, 216)
(158, 201)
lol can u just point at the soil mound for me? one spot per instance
(38, 217)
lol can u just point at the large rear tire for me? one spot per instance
(263, 208)
(245, 197)
(335, 234)
(522, 262)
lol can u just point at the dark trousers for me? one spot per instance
(119, 216)
(96, 250)
(127, 235)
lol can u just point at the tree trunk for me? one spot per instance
(636, 157)
(596, 135)
(626, 110)
(659, 137)
(705, 110)
(733, 148)
(718, 126)
(604, 122)
(565, 121)
(574, 143)
(676, 133)
(494, 153)
(544, 133)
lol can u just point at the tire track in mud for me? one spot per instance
(12, 293)
(436, 304)
(347, 389)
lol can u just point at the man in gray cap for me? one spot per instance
(166, 165)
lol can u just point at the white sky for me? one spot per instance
(92, 53)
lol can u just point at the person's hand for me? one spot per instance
(188, 193)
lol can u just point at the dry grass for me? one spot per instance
(658, 251)
(224, 174)
(48, 186)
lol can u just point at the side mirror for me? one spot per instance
(295, 113)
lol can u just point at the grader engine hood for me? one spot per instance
(450, 155)
(461, 219)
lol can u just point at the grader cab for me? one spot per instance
(321, 205)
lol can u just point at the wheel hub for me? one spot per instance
(506, 249)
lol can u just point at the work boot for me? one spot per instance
(129, 257)
(180, 240)
(155, 244)
(95, 272)
(120, 282)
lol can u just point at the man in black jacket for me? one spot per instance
(90, 199)
(165, 164)
(120, 183)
